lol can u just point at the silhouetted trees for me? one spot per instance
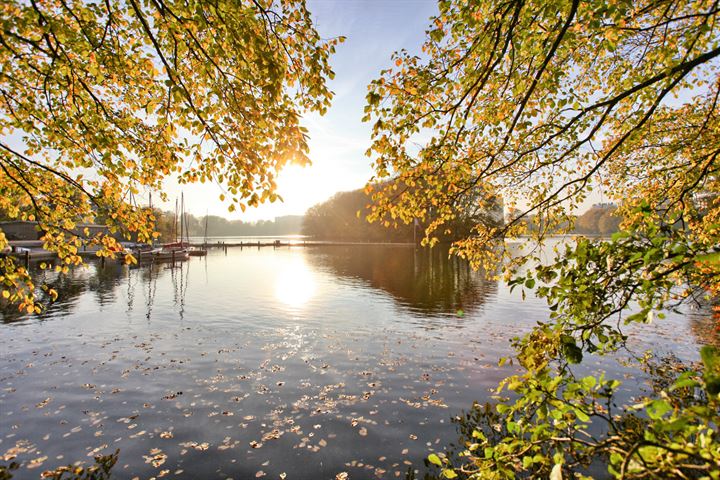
(343, 218)
(599, 219)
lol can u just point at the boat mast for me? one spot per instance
(182, 217)
(175, 220)
(206, 222)
(187, 225)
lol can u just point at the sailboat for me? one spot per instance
(168, 252)
(178, 249)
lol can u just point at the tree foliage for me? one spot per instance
(343, 217)
(599, 219)
(542, 103)
(100, 101)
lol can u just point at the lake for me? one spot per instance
(295, 363)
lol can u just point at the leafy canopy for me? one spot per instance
(102, 100)
(541, 102)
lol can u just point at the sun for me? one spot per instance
(303, 186)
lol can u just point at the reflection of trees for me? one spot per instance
(104, 281)
(93, 277)
(705, 325)
(424, 280)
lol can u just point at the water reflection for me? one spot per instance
(705, 325)
(103, 282)
(70, 288)
(426, 281)
(295, 284)
(307, 361)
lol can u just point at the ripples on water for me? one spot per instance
(254, 363)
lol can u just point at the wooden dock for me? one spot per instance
(296, 243)
(32, 251)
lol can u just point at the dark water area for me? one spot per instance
(290, 363)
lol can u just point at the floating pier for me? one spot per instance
(32, 251)
(297, 243)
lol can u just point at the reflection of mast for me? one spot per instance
(180, 290)
(152, 287)
(130, 291)
(206, 271)
(184, 281)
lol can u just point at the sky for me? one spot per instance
(338, 139)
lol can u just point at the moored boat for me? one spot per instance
(162, 254)
(196, 252)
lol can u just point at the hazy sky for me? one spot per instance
(338, 140)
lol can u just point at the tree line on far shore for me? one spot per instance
(168, 225)
(342, 218)
(599, 219)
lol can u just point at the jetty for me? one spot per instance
(32, 251)
(292, 243)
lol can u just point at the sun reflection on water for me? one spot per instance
(295, 284)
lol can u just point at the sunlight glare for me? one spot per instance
(295, 284)
(303, 186)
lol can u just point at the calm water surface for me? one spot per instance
(306, 362)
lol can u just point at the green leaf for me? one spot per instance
(581, 415)
(434, 459)
(657, 408)
(710, 356)
(572, 352)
